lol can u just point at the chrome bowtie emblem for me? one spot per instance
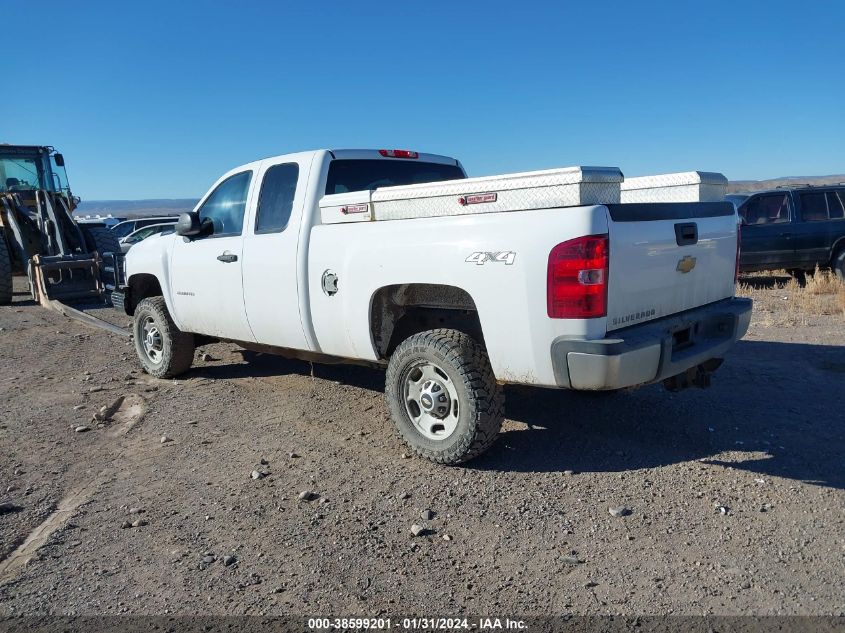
(686, 264)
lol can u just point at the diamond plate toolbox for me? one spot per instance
(688, 186)
(565, 187)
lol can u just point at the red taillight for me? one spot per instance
(398, 153)
(576, 286)
(738, 248)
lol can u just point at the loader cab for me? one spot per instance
(25, 169)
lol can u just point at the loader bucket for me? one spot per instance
(65, 277)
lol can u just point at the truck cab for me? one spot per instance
(253, 231)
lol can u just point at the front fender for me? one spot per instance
(152, 258)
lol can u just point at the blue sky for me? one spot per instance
(156, 99)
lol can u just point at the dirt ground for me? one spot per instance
(735, 493)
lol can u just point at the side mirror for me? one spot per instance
(60, 160)
(188, 224)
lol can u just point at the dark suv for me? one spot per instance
(796, 228)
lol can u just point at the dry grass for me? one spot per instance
(779, 300)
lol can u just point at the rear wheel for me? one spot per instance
(5, 271)
(163, 349)
(443, 397)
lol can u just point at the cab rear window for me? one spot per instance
(363, 174)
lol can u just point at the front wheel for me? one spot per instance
(163, 349)
(443, 397)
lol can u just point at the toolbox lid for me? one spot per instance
(679, 179)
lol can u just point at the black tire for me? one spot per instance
(838, 263)
(5, 271)
(103, 241)
(468, 375)
(176, 350)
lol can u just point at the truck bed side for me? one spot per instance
(510, 296)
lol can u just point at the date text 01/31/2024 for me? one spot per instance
(415, 624)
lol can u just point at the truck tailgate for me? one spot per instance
(668, 258)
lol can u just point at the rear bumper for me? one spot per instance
(653, 351)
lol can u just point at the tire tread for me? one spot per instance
(180, 353)
(103, 240)
(470, 359)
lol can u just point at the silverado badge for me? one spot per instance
(686, 264)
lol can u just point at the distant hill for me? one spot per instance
(135, 208)
(743, 186)
(175, 206)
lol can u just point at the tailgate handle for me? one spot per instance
(686, 234)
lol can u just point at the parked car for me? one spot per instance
(796, 228)
(98, 221)
(455, 287)
(143, 233)
(126, 227)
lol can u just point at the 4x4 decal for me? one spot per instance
(480, 258)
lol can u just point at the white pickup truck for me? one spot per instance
(394, 258)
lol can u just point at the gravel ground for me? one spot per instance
(720, 501)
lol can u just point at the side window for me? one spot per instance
(836, 204)
(225, 207)
(813, 207)
(275, 202)
(768, 209)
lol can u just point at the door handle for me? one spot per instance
(227, 258)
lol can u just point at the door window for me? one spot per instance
(813, 207)
(836, 204)
(225, 207)
(275, 202)
(769, 209)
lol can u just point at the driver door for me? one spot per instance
(206, 270)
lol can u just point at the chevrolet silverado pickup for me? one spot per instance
(456, 285)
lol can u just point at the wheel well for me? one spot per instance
(838, 247)
(141, 286)
(399, 311)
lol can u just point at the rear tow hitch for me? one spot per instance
(698, 376)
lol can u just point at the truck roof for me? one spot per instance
(365, 154)
(351, 154)
(789, 188)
